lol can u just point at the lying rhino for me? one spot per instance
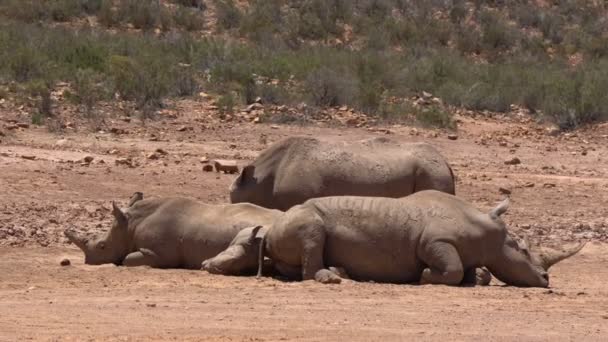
(296, 169)
(169, 232)
(428, 237)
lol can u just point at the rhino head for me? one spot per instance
(111, 247)
(240, 257)
(252, 186)
(528, 265)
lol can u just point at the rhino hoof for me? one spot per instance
(327, 277)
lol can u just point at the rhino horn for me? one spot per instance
(76, 239)
(550, 257)
(500, 209)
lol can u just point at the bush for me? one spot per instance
(189, 19)
(89, 88)
(328, 87)
(435, 117)
(228, 15)
(143, 15)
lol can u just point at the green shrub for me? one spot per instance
(328, 87)
(228, 15)
(143, 15)
(189, 19)
(89, 88)
(435, 117)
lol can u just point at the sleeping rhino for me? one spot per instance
(169, 232)
(296, 169)
(429, 237)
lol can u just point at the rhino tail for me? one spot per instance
(453, 189)
(500, 209)
(261, 256)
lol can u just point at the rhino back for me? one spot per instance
(373, 238)
(185, 232)
(361, 168)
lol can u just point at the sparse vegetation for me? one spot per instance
(477, 55)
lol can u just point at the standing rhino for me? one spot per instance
(296, 169)
(169, 232)
(428, 237)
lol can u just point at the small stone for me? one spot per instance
(584, 152)
(529, 185)
(232, 146)
(161, 151)
(504, 191)
(452, 136)
(208, 168)
(182, 128)
(113, 151)
(151, 305)
(513, 161)
(88, 159)
(426, 95)
(204, 160)
(152, 156)
(28, 157)
(257, 120)
(226, 166)
(549, 185)
(65, 262)
(274, 127)
(61, 142)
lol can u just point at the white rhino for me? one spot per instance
(170, 232)
(296, 169)
(428, 237)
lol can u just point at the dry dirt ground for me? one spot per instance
(559, 194)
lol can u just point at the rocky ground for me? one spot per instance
(52, 181)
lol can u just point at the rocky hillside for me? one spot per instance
(377, 57)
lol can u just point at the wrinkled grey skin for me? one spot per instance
(429, 237)
(169, 232)
(296, 169)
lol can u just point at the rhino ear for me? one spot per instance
(254, 234)
(137, 196)
(119, 215)
(246, 174)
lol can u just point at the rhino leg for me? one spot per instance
(444, 264)
(143, 257)
(312, 252)
(288, 271)
(477, 276)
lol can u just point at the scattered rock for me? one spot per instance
(152, 156)
(549, 185)
(22, 125)
(88, 159)
(28, 157)
(11, 127)
(203, 160)
(113, 151)
(553, 131)
(584, 152)
(124, 161)
(529, 185)
(452, 136)
(232, 146)
(161, 151)
(504, 191)
(61, 142)
(513, 161)
(65, 262)
(183, 128)
(151, 305)
(274, 127)
(253, 106)
(208, 168)
(226, 166)
(257, 120)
